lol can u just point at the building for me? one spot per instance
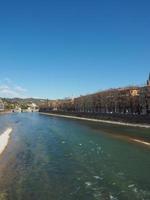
(17, 109)
(148, 81)
(32, 107)
(145, 97)
(133, 100)
(1, 105)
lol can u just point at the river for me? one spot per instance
(52, 158)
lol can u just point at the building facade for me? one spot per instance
(145, 98)
(128, 100)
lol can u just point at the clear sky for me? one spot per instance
(55, 49)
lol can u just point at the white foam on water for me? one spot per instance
(88, 184)
(135, 190)
(4, 138)
(131, 186)
(112, 197)
(98, 177)
(97, 195)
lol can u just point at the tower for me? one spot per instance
(148, 81)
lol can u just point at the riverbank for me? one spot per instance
(142, 140)
(4, 139)
(5, 112)
(98, 120)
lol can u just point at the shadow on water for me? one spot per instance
(129, 134)
(49, 158)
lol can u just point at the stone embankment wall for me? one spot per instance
(128, 118)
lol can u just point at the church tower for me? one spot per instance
(148, 81)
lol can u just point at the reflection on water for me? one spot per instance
(52, 158)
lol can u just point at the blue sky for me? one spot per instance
(55, 49)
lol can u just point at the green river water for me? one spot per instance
(52, 158)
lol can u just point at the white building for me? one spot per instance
(1, 105)
(17, 109)
(32, 107)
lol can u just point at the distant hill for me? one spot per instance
(24, 101)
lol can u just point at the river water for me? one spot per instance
(52, 158)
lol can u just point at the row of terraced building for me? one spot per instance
(127, 100)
